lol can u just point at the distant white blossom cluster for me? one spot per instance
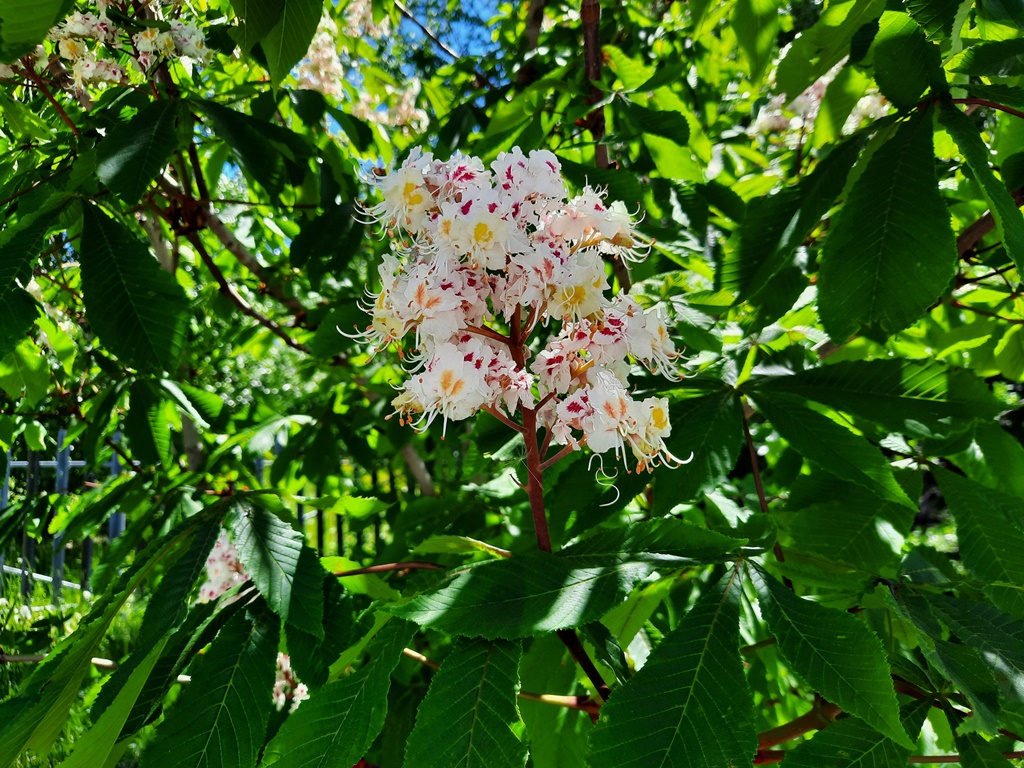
(792, 118)
(84, 37)
(223, 570)
(322, 69)
(288, 691)
(481, 259)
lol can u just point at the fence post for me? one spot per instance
(63, 467)
(115, 525)
(28, 544)
(4, 496)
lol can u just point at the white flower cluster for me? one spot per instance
(287, 687)
(487, 257)
(80, 38)
(223, 570)
(797, 117)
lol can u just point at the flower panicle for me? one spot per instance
(477, 249)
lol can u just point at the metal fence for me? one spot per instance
(36, 472)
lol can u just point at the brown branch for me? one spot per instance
(238, 301)
(32, 186)
(762, 499)
(590, 16)
(985, 312)
(970, 237)
(38, 81)
(419, 470)
(988, 103)
(534, 22)
(820, 716)
(384, 567)
(571, 641)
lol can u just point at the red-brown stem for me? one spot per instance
(579, 653)
(535, 480)
(820, 716)
(777, 548)
(31, 73)
(558, 456)
(590, 17)
(992, 104)
(956, 758)
(410, 566)
(502, 418)
(985, 312)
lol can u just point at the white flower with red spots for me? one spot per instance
(486, 263)
(223, 570)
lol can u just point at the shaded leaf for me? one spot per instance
(134, 153)
(1008, 217)
(1004, 58)
(136, 308)
(287, 42)
(469, 713)
(340, 721)
(221, 718)
(936, 17)
(852, 743)
(689, 704)
(832, 447)
(922, 398)
(24, 23)
(891, 251)
(257, 18)
(906, 64)
(711, 428)
(286, 571)
(835, 654)
(988, 526)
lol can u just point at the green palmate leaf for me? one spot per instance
(852, 743)
(221, 718)
(921, 398)
(135, 152)
(711, 428)
(835, 654)
(756, 23)
(774, 227)
(832, 447)
(975, 752)
(257, 18)
(311, 656)
(993, 633)
(145, 425)
(34, 718)
(287, 42)
(1008, 217)
(166, 611)
(1004, 58)
(340, 721)
(853, 527)
(18, 310)
(906, 64)
(973, 676)
(469, 714)
(286, 572)
(458, 545)
(97, 747)
(24, 23)
(936, 17)
(891, 251)
(689, 705)
(251, 146)
(669, 125)
(988, 526)
(557, 734)
(822, 46)
(538, 592)
(25, 371)
(136, 308)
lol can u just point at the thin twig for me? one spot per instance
(419, 470)
(762, 499)
(383, 567)
(992, 104)
(31, 73)
(985, 312)
(237, 300)
(583, 703)
(558, 456)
